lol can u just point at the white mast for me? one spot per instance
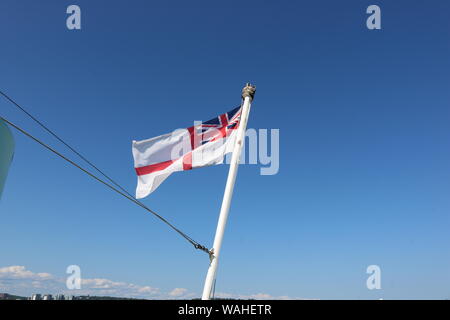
(248, 93)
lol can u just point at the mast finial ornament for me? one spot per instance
(249, 91)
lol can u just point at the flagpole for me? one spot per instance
(248, 93)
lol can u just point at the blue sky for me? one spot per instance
(364, 145)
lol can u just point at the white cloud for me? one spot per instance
(177, 292)
(108, 287)
(256, 296)
(148, 289)
(19, 272)
(19, 280)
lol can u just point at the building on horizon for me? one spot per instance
(36, 296)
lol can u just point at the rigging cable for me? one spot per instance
(122, 191)
(43, 126)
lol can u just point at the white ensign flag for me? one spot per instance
(198, 146)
